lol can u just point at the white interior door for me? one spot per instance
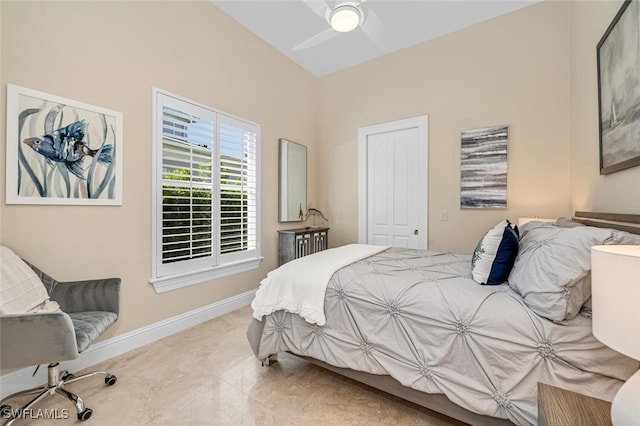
(392, 184)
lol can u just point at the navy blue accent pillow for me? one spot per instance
(495, 254)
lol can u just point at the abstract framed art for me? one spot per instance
(61, 151)
(483, 168)
(618, 55)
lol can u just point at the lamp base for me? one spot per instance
(625, 407)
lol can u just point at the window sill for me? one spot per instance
(174, 282)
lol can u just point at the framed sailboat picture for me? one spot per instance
(60, 151)
(619, 91)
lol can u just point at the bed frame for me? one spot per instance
(439, 402)
(619, 221)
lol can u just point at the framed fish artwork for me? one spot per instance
(61, 151)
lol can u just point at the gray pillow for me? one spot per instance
(618, 237)
(625, 238)
(534, 224)
(553, 269)
(565, 222)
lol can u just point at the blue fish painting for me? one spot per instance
(67, 145)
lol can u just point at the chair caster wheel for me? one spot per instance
(84, 415)
(110, 380)
(5, 411)
(68, 376)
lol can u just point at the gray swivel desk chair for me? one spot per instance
(88, 308)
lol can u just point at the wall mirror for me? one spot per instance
(293, 181)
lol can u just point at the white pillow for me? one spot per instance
(21, 291)
(495, 253)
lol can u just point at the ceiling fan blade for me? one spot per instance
(374, 29)
(315, 40)
(319, 7)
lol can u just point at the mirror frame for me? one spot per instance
(283, 181)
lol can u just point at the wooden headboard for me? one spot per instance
(619, 221)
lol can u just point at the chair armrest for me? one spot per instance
(91, 295)
(82, 296)
(48, 281)
(36, 338)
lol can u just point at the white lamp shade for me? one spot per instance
(345, 18)
(615, 292)
(625, 407)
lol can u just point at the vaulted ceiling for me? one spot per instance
(388, 26)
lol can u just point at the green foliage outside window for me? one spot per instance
(187, 215)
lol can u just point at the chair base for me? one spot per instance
(56, 385)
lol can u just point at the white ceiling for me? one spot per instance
(286, 23)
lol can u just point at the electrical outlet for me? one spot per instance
(444, 215)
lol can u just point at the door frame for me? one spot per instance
(422, 123)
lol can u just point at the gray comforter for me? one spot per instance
(418, 316)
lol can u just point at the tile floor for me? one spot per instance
(208, 375)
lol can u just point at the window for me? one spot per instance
(206, 193)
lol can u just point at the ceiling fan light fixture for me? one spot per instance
(345, 18)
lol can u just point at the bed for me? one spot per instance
(414, 323)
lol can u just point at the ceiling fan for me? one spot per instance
(344, 17)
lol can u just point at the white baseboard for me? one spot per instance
(101, 351)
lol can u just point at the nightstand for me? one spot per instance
(560, 407)
(295, 243)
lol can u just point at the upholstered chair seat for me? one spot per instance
(61, 321)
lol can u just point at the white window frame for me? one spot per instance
(180, 274)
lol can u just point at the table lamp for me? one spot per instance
(615, 292)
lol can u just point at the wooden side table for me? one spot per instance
(560, 407)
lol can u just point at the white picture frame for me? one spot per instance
(61, 151)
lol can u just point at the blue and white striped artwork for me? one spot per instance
(483, 168)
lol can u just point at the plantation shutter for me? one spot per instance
(188, 147)
(206, 202)
(238, 151)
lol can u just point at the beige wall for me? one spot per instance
(617, 192)
(110, 54)
(533, 69)
(510, 70)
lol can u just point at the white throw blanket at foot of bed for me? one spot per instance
(299, 286)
